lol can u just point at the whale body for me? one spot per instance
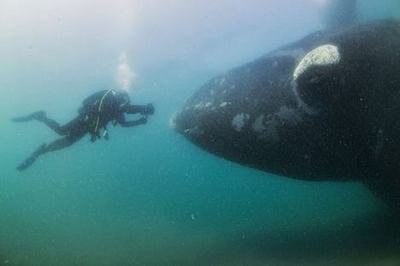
(326, 107)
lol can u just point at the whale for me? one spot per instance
(323, 108)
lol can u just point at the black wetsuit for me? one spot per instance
(97, 111)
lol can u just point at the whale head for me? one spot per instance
(259, 114)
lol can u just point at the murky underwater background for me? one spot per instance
(148, 196)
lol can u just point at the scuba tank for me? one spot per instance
(97, 107)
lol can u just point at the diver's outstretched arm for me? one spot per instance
(133, 109)
(140, 121)
(147, 109)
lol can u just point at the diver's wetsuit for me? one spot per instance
(97, 111)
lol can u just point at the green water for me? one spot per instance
(148, 196)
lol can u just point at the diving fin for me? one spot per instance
(31, 159)
(27, 163)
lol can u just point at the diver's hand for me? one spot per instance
(142, 120)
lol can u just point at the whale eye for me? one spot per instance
(327, 54)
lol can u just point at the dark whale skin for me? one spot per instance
(332, 121)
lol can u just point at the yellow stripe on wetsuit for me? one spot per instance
(99, 110)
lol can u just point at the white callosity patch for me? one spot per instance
(199, 105)
(266, 127)
(258, 125)
(239, 121)
(202, 105)
(220, 80)
(195, 131)
(207, 101)
(289, 115)
(223, 104)
(327, 54)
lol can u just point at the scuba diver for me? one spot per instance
(96, 112)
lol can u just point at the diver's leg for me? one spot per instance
(41, 117)
(53, 146)
(59, 144)
(71, 128)
(30, 117)
(52, 124)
